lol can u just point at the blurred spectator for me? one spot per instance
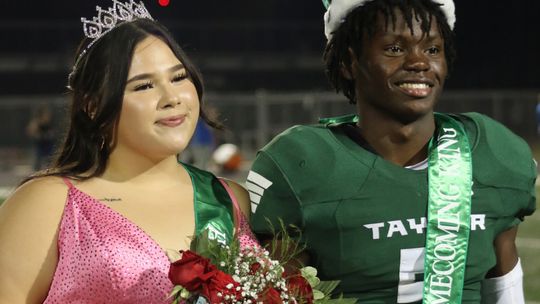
(538, 118)
(40, 130)
(227, 156)
(200, 149)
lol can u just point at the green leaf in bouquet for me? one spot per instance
(173, 255)
(310, 274)
(202, 245)
(176, 289)
(327, 287)
(185, 294)
(338, 301)
(318, 295)
(220, 255)
(285, 247)
(176, 293)
(309, 271)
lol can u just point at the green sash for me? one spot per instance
(449, 210)
(213, 206)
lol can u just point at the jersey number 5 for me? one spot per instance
(411, 275)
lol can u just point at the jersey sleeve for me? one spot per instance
(272, 197)
(503, 160)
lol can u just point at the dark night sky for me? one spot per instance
(498, 42)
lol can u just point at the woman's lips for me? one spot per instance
(172, 121)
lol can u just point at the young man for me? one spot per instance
(401, 204)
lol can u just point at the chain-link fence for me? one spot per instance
(252, 119)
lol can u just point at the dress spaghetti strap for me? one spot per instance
(67, 182)
(245, 235)
(237, 212)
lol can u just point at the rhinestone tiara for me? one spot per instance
(107, 20)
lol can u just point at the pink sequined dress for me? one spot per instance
(105, 258)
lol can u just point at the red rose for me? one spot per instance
(299, 287)
(223, 284)
(254, 268)
(270, 296)
(191, 271)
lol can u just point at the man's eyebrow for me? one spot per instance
(148, 75)
(432, 35)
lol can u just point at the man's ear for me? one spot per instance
(349, 71)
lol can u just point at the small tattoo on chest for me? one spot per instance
(111, 199)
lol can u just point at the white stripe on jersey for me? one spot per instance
(258, 179)
(256, 184)
(254, 198)
(254, 188)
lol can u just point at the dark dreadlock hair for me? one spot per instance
(363, 20)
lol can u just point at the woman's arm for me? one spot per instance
(29, 222)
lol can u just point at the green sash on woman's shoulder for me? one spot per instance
(449, 212)
(213, 206)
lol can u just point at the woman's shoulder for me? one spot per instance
(29, 221)
(42, 197)
(40, 190)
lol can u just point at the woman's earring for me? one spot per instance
(102, 142)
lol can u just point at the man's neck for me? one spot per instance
(403, 144)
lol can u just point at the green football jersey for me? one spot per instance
(363, 219)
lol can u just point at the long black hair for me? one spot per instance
(97, 85)
(363, 20)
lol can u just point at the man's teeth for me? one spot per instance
(414, 85)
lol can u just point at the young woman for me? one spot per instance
(95, 228)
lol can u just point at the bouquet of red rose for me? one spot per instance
(220, 273)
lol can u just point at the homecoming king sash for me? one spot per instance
(449, 209)
(449, 212)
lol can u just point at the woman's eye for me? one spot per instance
(179, 77)
(143, 86)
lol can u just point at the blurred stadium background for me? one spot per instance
(261, 61)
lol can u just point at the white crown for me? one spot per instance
(106, 20)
